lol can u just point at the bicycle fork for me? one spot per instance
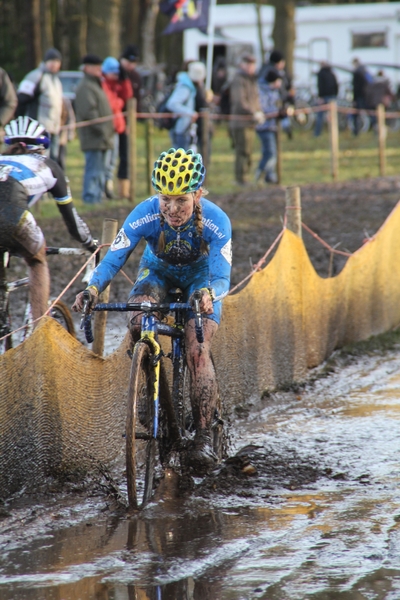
(149, 336)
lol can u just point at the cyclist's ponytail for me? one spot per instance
(20, 148)
(15, 149)
(198, 219)
(161, 239)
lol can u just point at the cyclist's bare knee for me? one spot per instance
(39, 257)
(199, 354)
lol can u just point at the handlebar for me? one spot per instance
(75, 251)
(67, 251)
(146, 307)
(86, 320)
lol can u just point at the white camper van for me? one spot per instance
(336, 33)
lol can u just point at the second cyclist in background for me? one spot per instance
(25, 175)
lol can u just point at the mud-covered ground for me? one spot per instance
(306, 507)
(294, 479)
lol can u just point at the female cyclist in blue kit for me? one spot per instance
(188, 246)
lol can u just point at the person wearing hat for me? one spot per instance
(96, 139)
(277, 62)
(271, 103)
(40, 97)
(245, 113)
(183, 103)
(128, 65)
(129, 60)
(118, 90)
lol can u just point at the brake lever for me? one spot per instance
(86, 307)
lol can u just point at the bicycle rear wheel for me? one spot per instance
(62, 315)
(140, 445)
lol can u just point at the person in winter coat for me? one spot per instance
(379, 92)
(129, 62)
(40, 97)
(271, 102)
(183, 102)
(118, 90)
(277, 62)
(361, 78)
(8, 101)
(327, 90)
(245, 114)
(91, 103)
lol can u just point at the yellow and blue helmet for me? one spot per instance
(178, 172)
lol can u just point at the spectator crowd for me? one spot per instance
(256, 104)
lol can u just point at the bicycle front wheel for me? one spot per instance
(62, 315)
(140, 444)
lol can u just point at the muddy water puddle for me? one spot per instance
(319, 517)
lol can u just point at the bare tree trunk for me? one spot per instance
(47, 26)
(130, 24)
(36, 32)
(76, 16)
(83, 32)
(61, 33)
(284, 32)
(259, 30)
(115, 27)
(148, 33)
(104, 22)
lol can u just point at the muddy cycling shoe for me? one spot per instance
(200, 456)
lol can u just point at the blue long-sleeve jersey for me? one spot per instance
(182, 244)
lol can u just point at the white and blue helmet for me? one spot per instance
(28, 131)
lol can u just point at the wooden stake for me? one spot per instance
(293, 210)
(109, 232)
(278, 151)
(149, 153)
(205, 115)
(132, 127)
(334, 139)
(380, 114)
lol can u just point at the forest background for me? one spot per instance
(104, 27)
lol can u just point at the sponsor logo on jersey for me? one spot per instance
(226, 251)
(142, 275)
(143, 220)
(121, 241)
(209, 223)
(5, 170)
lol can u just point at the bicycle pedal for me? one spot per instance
(129, 353)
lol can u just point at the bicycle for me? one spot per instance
(158, 410)
(59, 311)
